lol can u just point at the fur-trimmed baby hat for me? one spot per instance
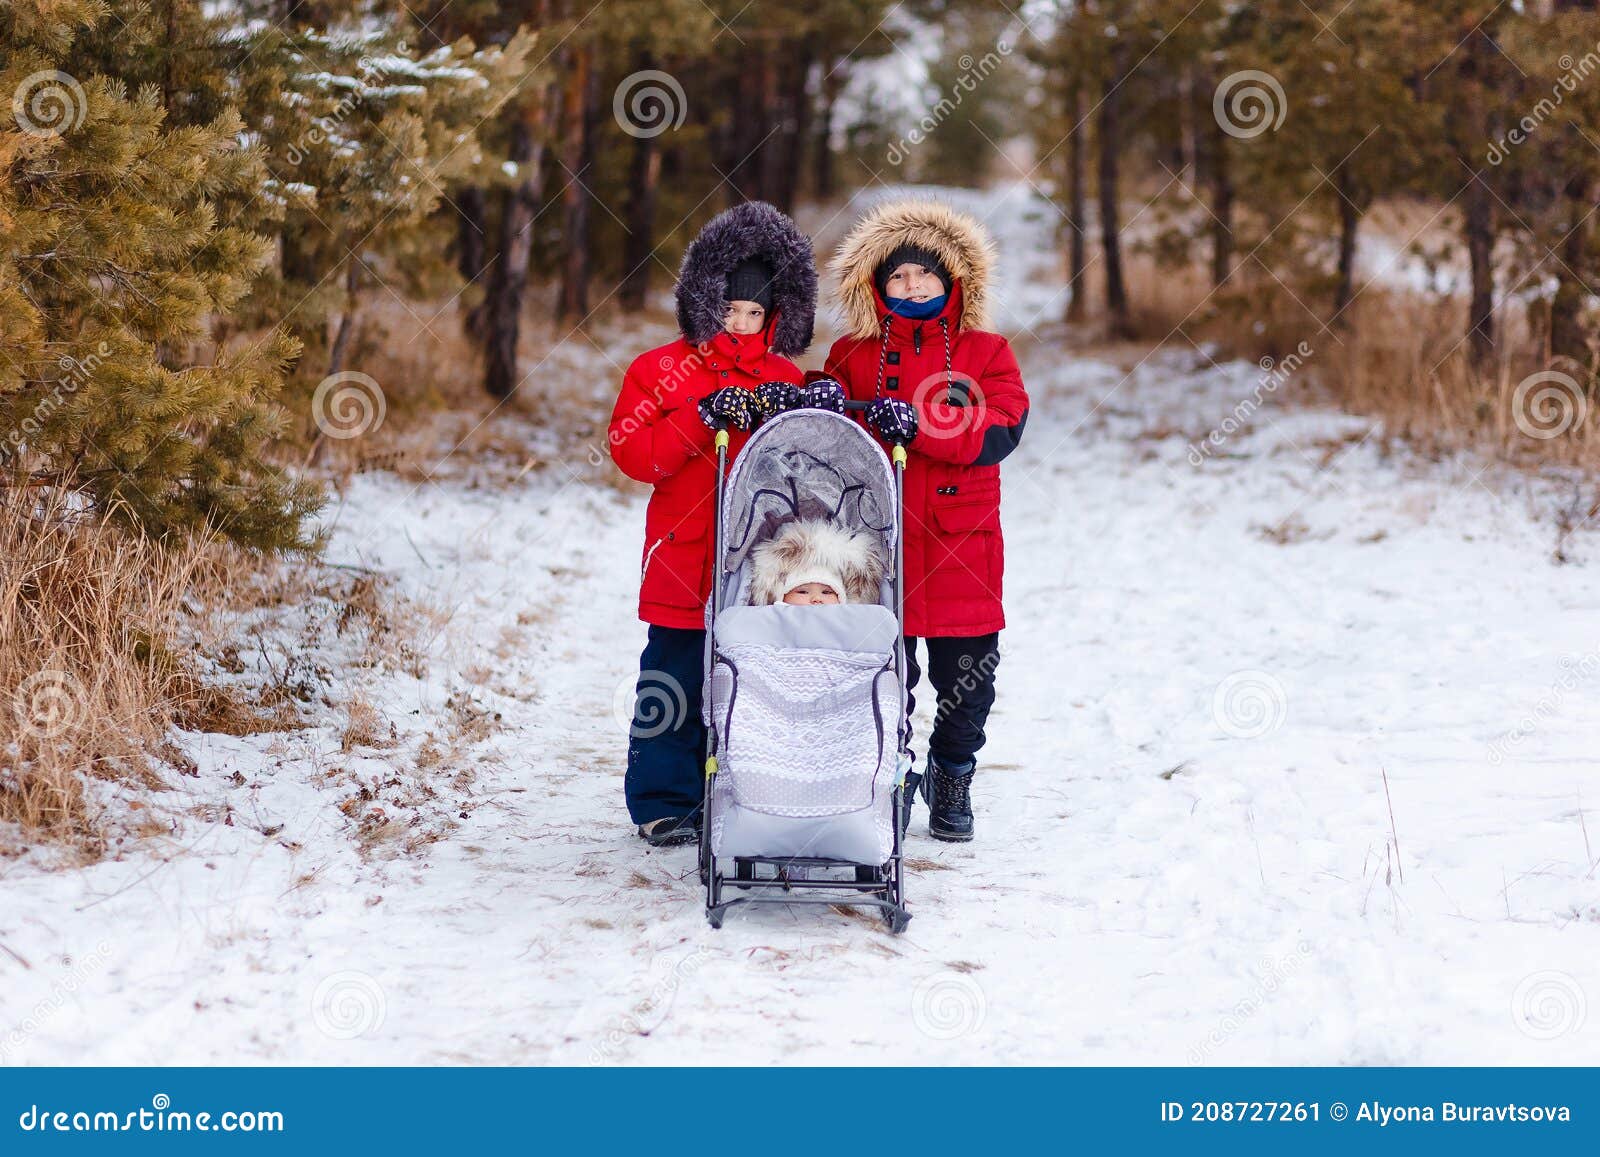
(811, 551)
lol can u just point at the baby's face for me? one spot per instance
(812, 595)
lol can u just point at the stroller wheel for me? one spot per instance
(898, 919)
(714, 918)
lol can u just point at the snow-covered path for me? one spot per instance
(1290, 765)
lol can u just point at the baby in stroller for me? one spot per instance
(812, 562)
(804, 674)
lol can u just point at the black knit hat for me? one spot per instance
(751, 280)
(915, 254)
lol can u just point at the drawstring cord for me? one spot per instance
(883, 356)
(949, 380)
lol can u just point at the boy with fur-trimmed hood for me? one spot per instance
(913, 284)
(746, 298)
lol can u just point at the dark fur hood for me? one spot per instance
(753, 229)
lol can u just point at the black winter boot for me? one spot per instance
(908, 796)
(672, 831)
(948, 789)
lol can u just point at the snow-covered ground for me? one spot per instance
(1291, 764)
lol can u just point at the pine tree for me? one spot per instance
(364, 138)
(1324, 117)
(1554, 170)
(114, 264)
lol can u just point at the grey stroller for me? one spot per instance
(808, 747)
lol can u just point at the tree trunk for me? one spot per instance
(771, 150)
(471, 220)
(1188, 131)
(752, 119)
(1110, 218)
(347, 321)
(296, 262)
(472, 254)
(1222, 198)
(1478, 226)
(1467, 125)
(822, 176)
(797, 124)
(1349, 222)
(508, 277)
(1077, 250)
(1567, 336)
(168, 50)
(578, 136)
(644, 181)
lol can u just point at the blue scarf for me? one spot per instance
(917, 310)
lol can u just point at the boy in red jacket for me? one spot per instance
(746, 299)
(913, 282)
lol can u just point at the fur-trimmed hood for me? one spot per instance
(753, 229)
(814, 550)
(960, 241)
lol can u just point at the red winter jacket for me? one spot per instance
(955, 557)
(656, 436)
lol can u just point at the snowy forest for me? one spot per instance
(318, 655)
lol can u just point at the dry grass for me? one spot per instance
(1164, 303)
(1396, 355)
(365, 726)
(439, 421)
(90, 677)
(110, 641)
(1402, 358)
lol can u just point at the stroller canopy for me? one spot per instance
(804, 464)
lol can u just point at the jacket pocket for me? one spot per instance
(962, 555)
(673, 571)
(975, 506)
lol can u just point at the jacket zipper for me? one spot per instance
(916, 340)
(648, 555)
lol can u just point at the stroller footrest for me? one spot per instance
(802, 862)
